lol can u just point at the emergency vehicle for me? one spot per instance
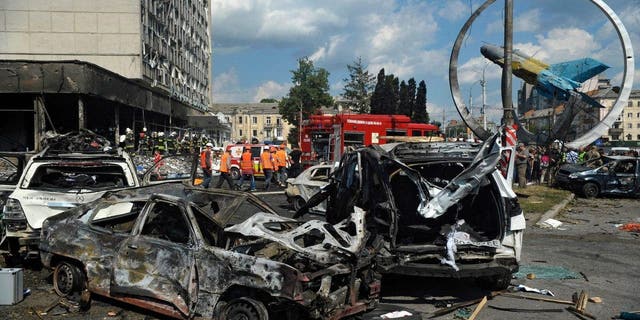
(236, 151)
(325, 137)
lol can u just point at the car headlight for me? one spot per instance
(13, 210)
(573, 176)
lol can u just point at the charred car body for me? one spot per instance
(187, 252)
(301, 188)
(11, 166)
(442, 208)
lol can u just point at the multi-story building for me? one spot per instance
(103, 65)
(261, 121)
(627, 125)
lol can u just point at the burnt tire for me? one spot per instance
(590, 190)
(298, 203)
(69, 281)
(495, 283)
(244, 309)
(235, 173)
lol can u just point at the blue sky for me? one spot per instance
(256, 43)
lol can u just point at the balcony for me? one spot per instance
(616, 131)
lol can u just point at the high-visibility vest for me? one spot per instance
(281, 156)
(223, 162)
(246, 163)
(203, 159)
(267, 163)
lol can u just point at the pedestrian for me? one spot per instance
(205, 164)
(544, 164)
(225, 165)
(246, 169)
(296, 168)
(283, 162)
(522, 157)
(572, 156)
(266, 163)
(594, 160)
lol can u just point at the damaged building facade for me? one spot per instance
(103, 66)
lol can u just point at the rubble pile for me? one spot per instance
(76, 141)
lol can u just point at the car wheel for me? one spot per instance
(245, 309)
(68, 280)
(235, 173)
(298, 203)
(590, 190)
(495, 283)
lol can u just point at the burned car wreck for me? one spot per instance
(187, 252)
(443, 209)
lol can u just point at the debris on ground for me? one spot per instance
(635, 315)
(84, 141)
(462, 313)
(523, 288)
(531, 276)
(580, 307)
(525, 310)
(546, 272)
(517, 296)
(551, 224)
(479, 307)
(595, 299)
(630, 227)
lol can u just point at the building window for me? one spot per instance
(629, 125)
(279, 132)
(638, 115)
(268, 120)
(240, 132)
(638, 104)
(255, 132)
(278, 121)
(240, 120)
(629, 115)
(638, 137)
(255, 120)
(268, 133)
(638, 125)
(630, 104)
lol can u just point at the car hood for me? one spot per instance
(323, 242)
(572, 167)
(40, 205)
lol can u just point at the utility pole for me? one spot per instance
(506, 69)
(483, 83)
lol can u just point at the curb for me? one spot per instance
(555, 209)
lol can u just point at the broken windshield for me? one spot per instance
(9, 171)
(95, 177)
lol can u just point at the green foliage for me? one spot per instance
(404, 106)
(420, 111)
(377, 98)
(310, 92)
(268, 100)
(357, 90)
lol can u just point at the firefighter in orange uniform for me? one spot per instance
(225, 165)
(281, 158)
(246, 168)
(266, 162)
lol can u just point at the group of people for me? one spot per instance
(539, 164)
(273, 162)
(162, 143)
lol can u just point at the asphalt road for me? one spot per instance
(587, 242)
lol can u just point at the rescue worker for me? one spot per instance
(144, 142)
(266, 163)
(205, 164)
(225, 166)
(283, 161)
(171, 143)
(161, 143)
(246, 169)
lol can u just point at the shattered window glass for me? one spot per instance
(94, 176)
(9, 172)
(172, 168)
(117, 217)
(167, 222)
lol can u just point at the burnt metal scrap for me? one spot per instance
(83, 141)
(441, 209)
(188, 252)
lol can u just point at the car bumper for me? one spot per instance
(492, 268)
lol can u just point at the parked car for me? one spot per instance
(189, 252)
(618, 176)
(11, 166)
(61, 177)
(442, 208)
(306, 184)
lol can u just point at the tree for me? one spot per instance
(357, 90)
(411, 92)
(404, 106)
(420, 112)
(377, 98)
(268, 100)
(310, 92)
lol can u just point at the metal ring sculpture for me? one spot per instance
(523, 134)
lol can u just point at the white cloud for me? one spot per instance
(454, 10)
(271, 89)
(471, 71)
(528, 21)
(225, 80)
(562, 44)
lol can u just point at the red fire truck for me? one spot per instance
(324, 137)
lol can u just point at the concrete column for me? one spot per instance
(116, 116)
(39, 124)
(81, 116)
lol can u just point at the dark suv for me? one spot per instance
(442, 208)
(618, 176)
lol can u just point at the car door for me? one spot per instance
(311, 182)
(157, 260)
(171, 168)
